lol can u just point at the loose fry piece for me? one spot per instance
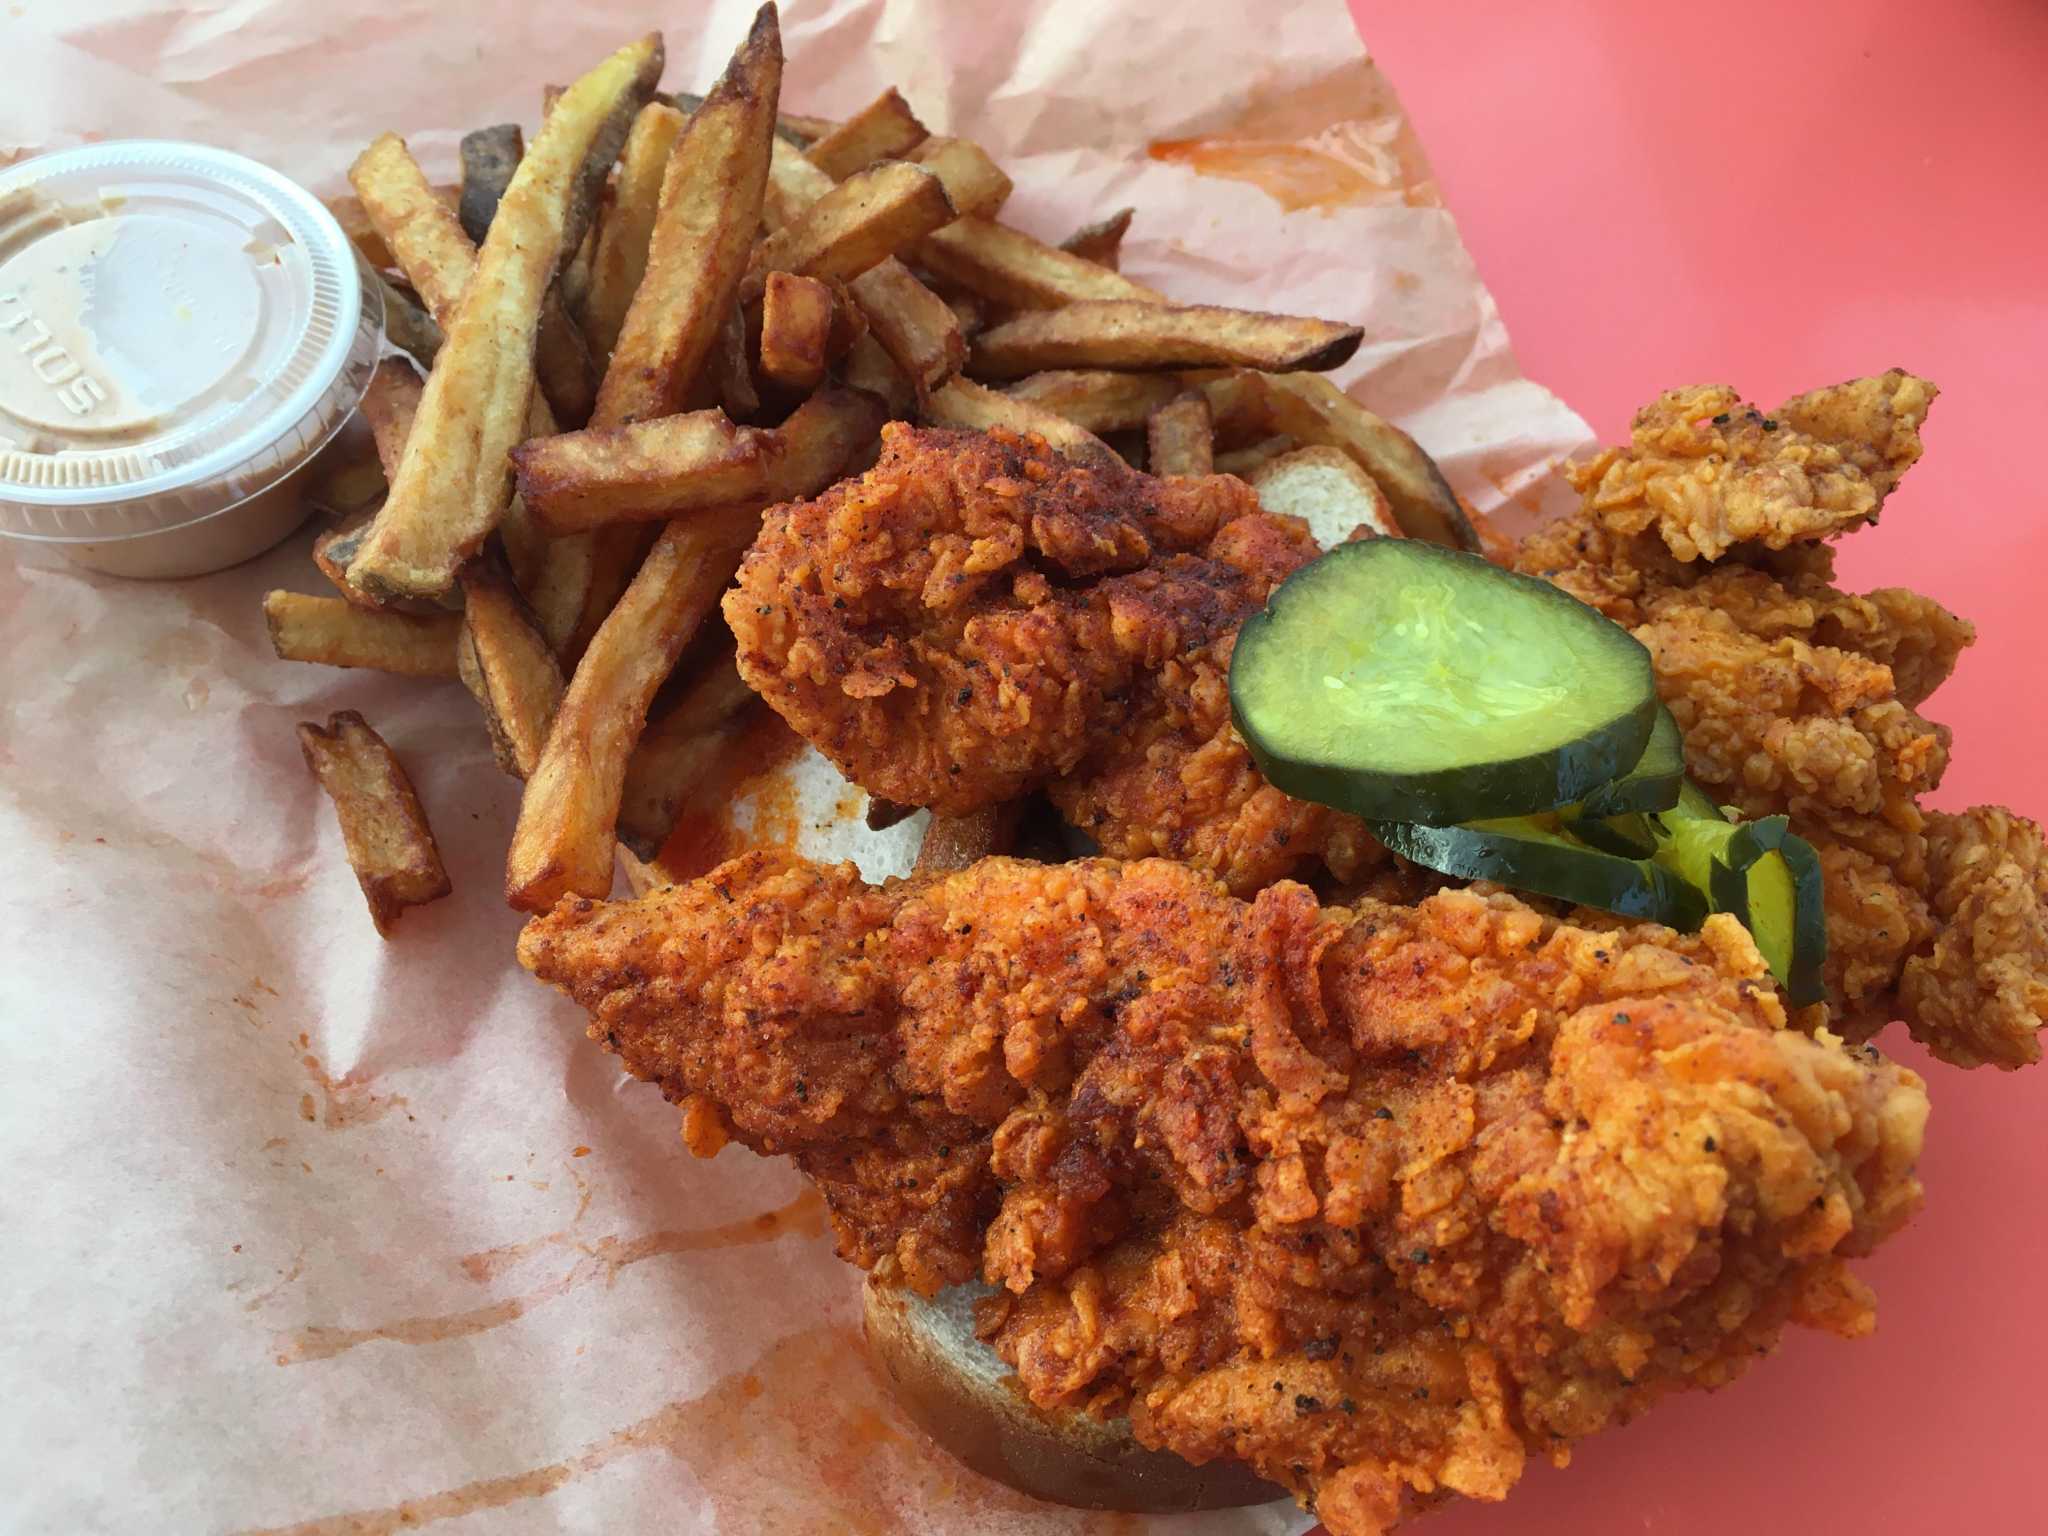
(1243, 461)
(884, 129)
(454, 485)
(796, 330)
(731, 373)
(354, 220)
(703, 230)
(973, 180)
(913, 325)
(953, 842)
(390, 846)
(1326, 489)
(489, 157)
(565, 837)
(794, 184)
(407, 326)
(646, 471)
(970, 312)
(619, 260)
(1097, 400)
(675, 753)
(866, 219)
(874, 371)
(335, 633)
(1123, 334)
(1013, 269)
(390, 403)
(1179, 439)
(1101, 242)
(962, 403)
(516, 677)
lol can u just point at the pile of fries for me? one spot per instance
(625, 339)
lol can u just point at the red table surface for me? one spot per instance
(1780, 195)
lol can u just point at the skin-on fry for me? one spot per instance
(912, 324)
(454, 485)
(511, 667)
(963, 403)
(732, 373)
(954, 842)
(354, 220)
(796, 330)
(390, 846)
(1179, 437)
(1124, 334)
(868, 367)
(619, 259)
(335, 633)
(489, 157)
(648, 471)
(1015, 270)
(867, 218)
(615, 554)
(1101, 242)
(675, 753)
(390, 403)
(794, 184)
(1242, 461)
(346, 481)
(565, 837)
(407, 325)
(973, 180)
(1097, 400)
(885, 129)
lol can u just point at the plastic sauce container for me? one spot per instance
(181, 330)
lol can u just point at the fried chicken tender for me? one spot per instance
(1703, 538)
(1383, 1200)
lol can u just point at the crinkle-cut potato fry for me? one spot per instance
(454, 485)
(953, 842)
(390, 403)
(1015, 270)
(1180, 439)
(1101, 242)
(974, 182)
(563, 844)
(646, 471)
(865, 219)
(1326, 489)
(675, 754)
(355, 223)
(336, 633)
(1119, 333)
(619, 259)
(1242, 461)
(884, 129)
(796, 330)
(512, 669)
(407, 325)
(390, 846)
(704, 229)
(963, 403)
(916, 327)
(489, 157)
(1100, 400)
(1315, 412)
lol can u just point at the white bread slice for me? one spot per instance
(1326, 489)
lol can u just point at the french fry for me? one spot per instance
(794, 184)
(974, 182)
(345, 480)
(643, 472)
(703, 230)
(1315, 412)
(952, 843)
(615, 556)
(871, 369)
(513, 671)
(390, 846)
(336, 633)
(1179, 438)
(912, 324)
(564, 840)
(619, 260)
(796, 330)
(963, 403)
(407, 326)
(489, 157)
(560, 587)
(454, 485)
(355, 223)
(332, 551)
(1242, 461)
(865, 219)
(732, 374)
(1015, 270)
(1098, 400)
(970, 312)
(390, 403)
(674, 754)
(885, 129)
(1327, 489)
(798, 131)
(1101, 242)
(1123, 334)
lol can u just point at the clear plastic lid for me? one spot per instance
(180, 328)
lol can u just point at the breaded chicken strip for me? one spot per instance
(1382, 1200)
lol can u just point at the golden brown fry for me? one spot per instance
(675, 754)
(970, 313)
(335, 633)
(697, 256)
(615, 555)
(1124, 334)
(407, 326)
(1095, 399)
(732, 373)
(885, 129)
(390, 846)
(866, 219)
(513, 671)
(1013, 269)
(355, 223)
(794, 184)
(559, 588)
(1242, 461)
(489, 157)
(1101, 242)
(455, 483)
(912, 324)
(564, 840)
(954, 842)
(648, 471)
(974, 182)
(1179, 438)
(332, 551)
(869, 368)
(801, 130)
(796, 330)
(390, 403)
(346, 480)
(619, 260)
(963, 403)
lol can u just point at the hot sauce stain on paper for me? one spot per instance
(749, 773)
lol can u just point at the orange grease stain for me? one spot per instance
(343, 1103)
(705, 836)
(1296, 176)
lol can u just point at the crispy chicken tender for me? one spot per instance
(1383, 1200)
(1703, 538)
